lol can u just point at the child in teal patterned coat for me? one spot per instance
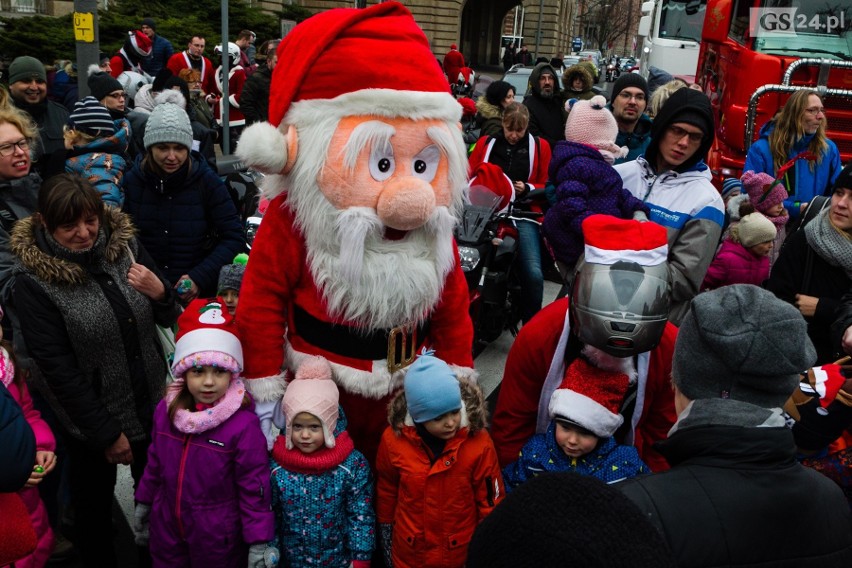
(322, 489)
(584, 414)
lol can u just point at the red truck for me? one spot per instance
(753, 55)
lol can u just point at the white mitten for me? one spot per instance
(265, 411)
(141, 524)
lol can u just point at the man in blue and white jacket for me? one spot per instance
(672, 178)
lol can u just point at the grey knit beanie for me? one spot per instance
(24, 68)
(168, 121)
(743, 343)
(230, 277)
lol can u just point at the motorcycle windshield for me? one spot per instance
(479, 207)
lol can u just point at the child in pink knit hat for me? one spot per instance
(768, 197)
(322, 488)
(586, 183)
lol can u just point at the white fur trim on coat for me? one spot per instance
(266, 389)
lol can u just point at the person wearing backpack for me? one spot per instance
(814, 268)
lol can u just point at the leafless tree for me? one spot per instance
(605, 23)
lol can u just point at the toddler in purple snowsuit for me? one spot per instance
(204, 498)
(586, 183)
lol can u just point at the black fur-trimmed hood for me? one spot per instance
(24, 243)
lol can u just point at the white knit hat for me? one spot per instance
(754, 229)
(168, 121)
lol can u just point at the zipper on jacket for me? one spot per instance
(183, 456)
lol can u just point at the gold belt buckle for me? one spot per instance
(400, 353)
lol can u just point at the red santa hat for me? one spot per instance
(411, 84)
(495, 181)
(590, 398)
(141, 43)
(207, 335)
(609, 240)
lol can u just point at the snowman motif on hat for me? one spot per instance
(207, 335)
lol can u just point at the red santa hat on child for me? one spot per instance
(314, 392)
(590, 398)
(313, 86)
(207, 335)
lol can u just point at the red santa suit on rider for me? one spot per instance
(355, 258)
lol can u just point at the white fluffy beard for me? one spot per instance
(368, 280)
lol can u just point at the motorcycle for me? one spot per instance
(613, 71)
(488, 248)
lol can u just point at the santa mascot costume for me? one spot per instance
(355, 258)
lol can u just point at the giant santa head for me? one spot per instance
(355, 258)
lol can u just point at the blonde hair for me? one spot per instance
(75, 137)
(662, 94)
(788, 129)
(190, 75)
(18, 119)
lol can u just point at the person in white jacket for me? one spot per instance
(672, 178)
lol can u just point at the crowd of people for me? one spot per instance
(318, 404)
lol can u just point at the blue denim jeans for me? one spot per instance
(529, 268)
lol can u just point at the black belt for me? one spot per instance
(356, 343)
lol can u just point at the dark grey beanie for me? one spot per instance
(629, 80)
(25, 68)
(230, 276)
(743, 343)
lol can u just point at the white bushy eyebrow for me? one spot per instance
(373, 132)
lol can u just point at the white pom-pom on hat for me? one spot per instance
(265, 148)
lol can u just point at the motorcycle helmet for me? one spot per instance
(233, 53)
(620, 293)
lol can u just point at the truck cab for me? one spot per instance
(671, 32)
(753, 56)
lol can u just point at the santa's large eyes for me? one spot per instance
(382, 165)
(425, 164)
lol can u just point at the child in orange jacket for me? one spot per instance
(437, 468)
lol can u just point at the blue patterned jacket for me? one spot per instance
(103, 162)
(609, 462)
(323, 518)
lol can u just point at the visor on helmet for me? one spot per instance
(620, 308)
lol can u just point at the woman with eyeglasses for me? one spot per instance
(18, 184)
(797, 133)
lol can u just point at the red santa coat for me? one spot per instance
(278, 296)
(236, 80)
(181, 60)
(527, 365)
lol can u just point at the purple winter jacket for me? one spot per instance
(209, 492)
(585, 185)
(735, 264)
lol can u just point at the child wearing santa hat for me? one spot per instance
(584, 415)
(437, 468)
(318, 474)
(767, 195)
(204, 498)
(586, 183)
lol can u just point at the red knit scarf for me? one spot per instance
(319, 461)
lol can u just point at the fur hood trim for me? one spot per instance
(487, 110)
(577, 69)
(473, 402)
(22, 242)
